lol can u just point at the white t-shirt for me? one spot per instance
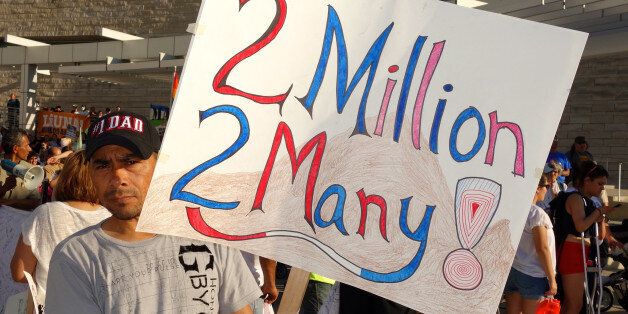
(49, 224)
(527, 260)
(93, 272)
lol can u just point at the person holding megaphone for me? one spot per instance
(16, 190)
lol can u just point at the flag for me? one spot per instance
(175, 82)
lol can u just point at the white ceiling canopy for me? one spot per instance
(116, 35)
(20, 41)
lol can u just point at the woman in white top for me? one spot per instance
(552, 170)
(76, 207)
(532, 275)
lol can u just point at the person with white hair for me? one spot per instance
(552, 170)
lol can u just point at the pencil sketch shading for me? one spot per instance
(416, 249)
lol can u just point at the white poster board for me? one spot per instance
(390, 145)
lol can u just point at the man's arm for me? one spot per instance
(56, 159)
(68, 289)
(268, 288)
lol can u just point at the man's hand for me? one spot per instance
(9, 184)
(268, 288)
(270, 292)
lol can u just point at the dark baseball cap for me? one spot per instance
(127, 129)
(580, 140)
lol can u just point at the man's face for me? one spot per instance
(581, 147)
(121, 179)
(21, 151)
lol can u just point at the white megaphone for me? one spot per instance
(32, 176)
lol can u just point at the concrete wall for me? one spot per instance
(9, 83)
(67, 90)
(597, 108)
(82, 17)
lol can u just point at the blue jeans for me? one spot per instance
(529, 287)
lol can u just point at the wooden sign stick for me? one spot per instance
(294, 292)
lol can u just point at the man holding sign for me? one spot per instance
(112, 268)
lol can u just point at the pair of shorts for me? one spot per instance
(532, 288)
(570, 258)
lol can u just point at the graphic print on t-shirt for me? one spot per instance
(197, 261)
(176, 278)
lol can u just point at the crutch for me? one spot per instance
(598, 266)
(590, 296)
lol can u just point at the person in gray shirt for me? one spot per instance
(111, 268)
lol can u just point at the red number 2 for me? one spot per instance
(220, 80)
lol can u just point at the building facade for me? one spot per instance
(597, 106)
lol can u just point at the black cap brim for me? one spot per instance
(119, 140)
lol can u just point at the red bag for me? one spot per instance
(549, 306)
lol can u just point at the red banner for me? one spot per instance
(55, 124)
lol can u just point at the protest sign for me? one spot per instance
(55, 124)
(391, 145)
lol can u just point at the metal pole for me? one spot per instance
(586, 277)
(598, 278)
(619, 183)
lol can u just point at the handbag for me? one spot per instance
(548, 306)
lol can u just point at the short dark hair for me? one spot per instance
(74, 183)
(12, 138)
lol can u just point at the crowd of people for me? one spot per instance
(13, 111)
(566, 220)
(92, 113)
